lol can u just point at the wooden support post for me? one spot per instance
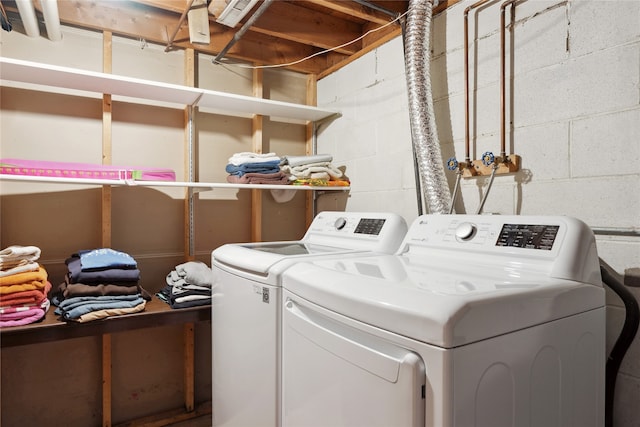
(189, 367)
(312, 99)
(106, 139)
(106, 380)
(190, 147)
(107, 49)
(256, 195)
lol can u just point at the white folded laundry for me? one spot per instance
(305, 160)
(12, 255)
(247, 157)
(321, 170)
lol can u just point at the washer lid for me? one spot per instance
(330, 233)
(443, 304)
(259, 258)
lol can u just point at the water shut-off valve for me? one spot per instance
(488, 164)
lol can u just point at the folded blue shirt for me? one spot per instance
(73, 308)
(97, 259)
(261, 167)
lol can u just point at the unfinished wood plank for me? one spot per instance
(123, 18)
(198, 20)
(256, 146)
(189, 366)
(170, 417)
(106, 140)
(312, 99)
(107, 54)
(106, 380)
(299, 24)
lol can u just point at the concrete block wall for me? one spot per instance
(573, 115)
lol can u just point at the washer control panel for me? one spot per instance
(376, 231)
(528, 236)
(560, 246)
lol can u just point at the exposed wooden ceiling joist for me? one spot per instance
(286, 32)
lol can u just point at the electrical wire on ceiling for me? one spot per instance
(322, 52)
(6, 24)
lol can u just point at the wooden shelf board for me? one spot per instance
(15, 70)
(137, 183)
(51, 328)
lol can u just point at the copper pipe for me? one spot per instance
(467, 149)
(503, 137)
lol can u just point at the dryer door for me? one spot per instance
(337, 375)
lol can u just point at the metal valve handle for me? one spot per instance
(452, 164)
(488, 158)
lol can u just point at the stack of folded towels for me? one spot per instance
(188, 285)
(316, 170)
(100, 283)
(24, 286)
(252, 168)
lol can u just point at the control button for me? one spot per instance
(340, 223)
(465, 231)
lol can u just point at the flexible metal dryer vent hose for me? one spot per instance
(426, 147)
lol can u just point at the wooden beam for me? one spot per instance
(299, 24)
(107, 60)
(155, 25)
(170, 5)
(189, 367)
(106, 140)
(354, 10)
(312, 99)
(257, 123)
(106, 380)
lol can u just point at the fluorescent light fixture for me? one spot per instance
(233, 12)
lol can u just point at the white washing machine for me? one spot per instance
(483, 321)
(247, 308)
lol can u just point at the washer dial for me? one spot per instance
(465, 231)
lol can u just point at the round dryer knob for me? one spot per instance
(465, 231)
(340, 223)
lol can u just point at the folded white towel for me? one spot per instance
(12, 255)
(305, 160)
(247, 157)
(321, 170)
(22, 268)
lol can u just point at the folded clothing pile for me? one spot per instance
(188, 285)
(316, 170)
(252, 168)
(24, 286)
(100, 283)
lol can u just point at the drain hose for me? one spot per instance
(426, 146)
(627, 334)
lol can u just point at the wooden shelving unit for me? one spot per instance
(49, 77)
(83, 83)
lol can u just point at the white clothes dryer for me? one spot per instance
(484, 321)
(247, 308)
